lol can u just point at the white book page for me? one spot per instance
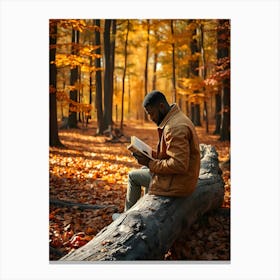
(141, 145)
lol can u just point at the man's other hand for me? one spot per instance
(143, 160)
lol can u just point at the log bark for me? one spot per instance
(150, 227)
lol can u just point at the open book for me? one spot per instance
(138, 146)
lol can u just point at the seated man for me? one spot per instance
(175, 169)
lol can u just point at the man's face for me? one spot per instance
(156, 113)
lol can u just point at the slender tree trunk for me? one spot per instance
(147, 63)
(112, 60)
(155, 63)
(204, 73)
(195, 115)
(80, 94)
(72, 121)
(98, 82)
(225, 121)
(187, 108)
(194, 64)
(108, 93)
(147, 58)
(155, 71)
(224, 52)
(218, 109)
(173, 63)
(129, 97)
(124, 73)
(61, 103)
(88, 116)
(54, 138)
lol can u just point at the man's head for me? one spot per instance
(156, 106)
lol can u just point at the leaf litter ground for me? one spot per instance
(90, 170)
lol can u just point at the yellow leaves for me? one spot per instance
(196, 89)
(88, 50)
(63, 96)
(77, 24)
(77, 60)
(62, 60)
(192, 84)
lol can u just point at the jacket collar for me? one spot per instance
(174, 110)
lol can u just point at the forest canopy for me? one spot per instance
(101, 69)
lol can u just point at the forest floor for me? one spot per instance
(92, 170)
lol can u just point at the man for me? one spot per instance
(175, 169)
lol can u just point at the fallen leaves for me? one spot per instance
(207, 239)
(89, 172)
(93, 171)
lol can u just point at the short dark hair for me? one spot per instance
(154, 98)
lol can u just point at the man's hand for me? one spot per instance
(143, 160)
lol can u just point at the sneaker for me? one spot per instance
(115, 216)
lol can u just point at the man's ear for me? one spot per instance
(161, 107)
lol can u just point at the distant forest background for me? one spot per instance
(101, 69)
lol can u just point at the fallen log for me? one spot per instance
(150, 227)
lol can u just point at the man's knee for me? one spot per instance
(132, 175)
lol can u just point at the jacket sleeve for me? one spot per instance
(177, 150)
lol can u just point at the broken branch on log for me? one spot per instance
(80, 205)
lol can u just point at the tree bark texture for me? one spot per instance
(174, 98)
(98, 82)
(224, 52)
(124, 74)
(194, 72)
(148, 229)
(218, 108)
(74, 77)
(107, 117)
(54, 138)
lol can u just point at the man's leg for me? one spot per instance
(136, 179)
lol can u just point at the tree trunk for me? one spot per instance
(225, 121)
(147, 59)
(195, 114)
(73, 80)
(147, 64)
(155, 71)
(173, 64)
(155, 62)
(54, 139)
(124, 74)
(224, 52)
(88, 115)
(98, 82)
(194, 64)
(108, 94)
(204, 73)
(217, 114)
(80, 96)
(113, 46)
(148, 229)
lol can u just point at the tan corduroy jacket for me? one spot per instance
(176, 167)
